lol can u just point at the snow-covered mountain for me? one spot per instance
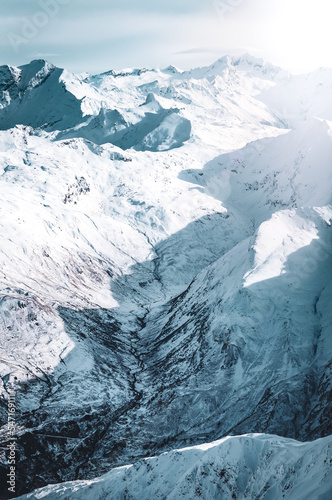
(250, 466)
(165, 266)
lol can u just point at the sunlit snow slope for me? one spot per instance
(165, 265)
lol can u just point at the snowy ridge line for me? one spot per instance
(249, 466)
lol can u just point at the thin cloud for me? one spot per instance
(202, 50)
(43, 55)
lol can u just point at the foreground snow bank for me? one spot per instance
(251, 466)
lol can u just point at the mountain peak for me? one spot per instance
(246, 61)
(172, 69)
(33, 73)
(37, 65)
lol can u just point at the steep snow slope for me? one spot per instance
(165, 261)
(245, 346)
(251, 466)
(31, 94)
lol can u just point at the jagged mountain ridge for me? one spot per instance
(147, 303)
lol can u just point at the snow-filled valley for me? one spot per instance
(165, 265)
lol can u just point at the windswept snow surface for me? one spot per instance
(165, 264)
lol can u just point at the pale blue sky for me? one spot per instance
(98, 35)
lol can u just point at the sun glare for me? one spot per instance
(300, 35)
